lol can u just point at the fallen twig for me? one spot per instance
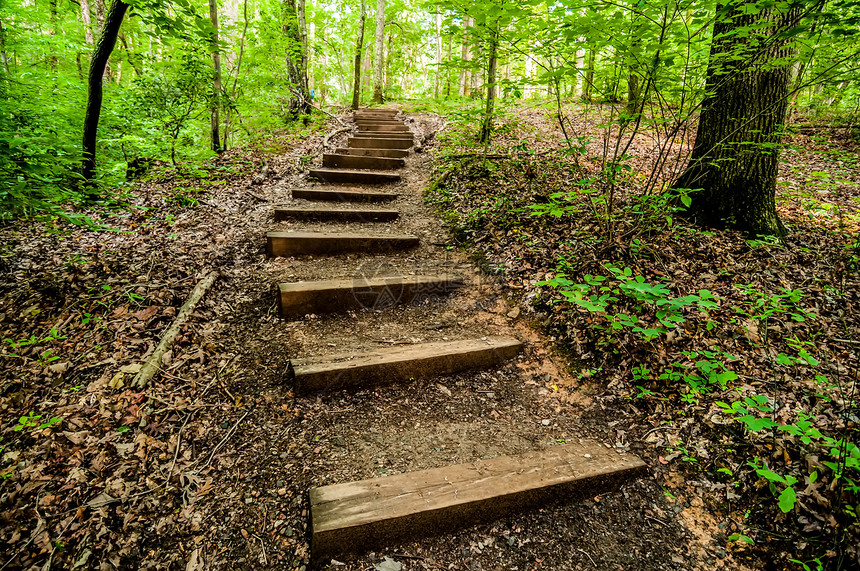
(153, 363)
(333, 133)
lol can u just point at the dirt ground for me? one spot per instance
(209, 468)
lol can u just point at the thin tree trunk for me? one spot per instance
(378, 54)
(100, 19)
(735, 158)
(215, 120)
(588, 87)
(101, 54)
(229, 119)
(86, 18)
(465, 56)
(359, 47)
(438, 55)
(487, 128)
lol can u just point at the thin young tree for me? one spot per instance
(215, 136)
(98, 63)
(359, 47)
(378, 53)
(735, 157)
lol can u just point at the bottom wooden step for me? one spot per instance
(372, 514)
(385, 366)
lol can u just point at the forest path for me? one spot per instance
(289, 444)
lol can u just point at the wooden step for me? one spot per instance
(385, 134)
(358, 177)
(378, 143)
(341, 195)
(376, 513)
(393, 153)
(343, 214)
(303, 243)
(393, 128)
(326, 296)
(378, 121)
(362, 162)
(399, 364)
(380, 112)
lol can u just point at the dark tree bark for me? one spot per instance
(359, 47)
(296, 59)
(734, 160)
(101, 54)
(492, 62)
(215, 123)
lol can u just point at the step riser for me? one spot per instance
(377, 143)
(336, 214)
(379, 513)
(354, 176)
(297, 300)
(400, 366)
(301, 244)
(341, 196)
(362, 162)
(389, 122)
(383, 128)
(390, 153)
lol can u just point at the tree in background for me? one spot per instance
(359, 47)
(98, 64)
(215, 136)
(300, 102)
(379, 47)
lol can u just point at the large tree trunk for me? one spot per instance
(466, 57)
(735, 158)
(101, 54)
(214, 132)
(88, 24)
(379, 50)
(487, 127)
(296, 58)
(359, 47)
(100, 20)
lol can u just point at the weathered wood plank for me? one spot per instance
(392, 365)
(370, 514)
(303, 243)
(344, 214)
(393, 153)
(359, 177)
(378, 143)
(385, 134)
(362, 162)
(341, 195)
(326, 296)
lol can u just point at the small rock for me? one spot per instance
(244, 533)
(444, 390)
(545, 422)
(338, 441)
(514, 313)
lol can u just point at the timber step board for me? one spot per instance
(359, 177)
(303, 243)
(392, 153)
(374, 514)
(342, 195)
(386, 113)
(325, 296)
(380, 122)
(378, 143)
(385, 134)
(362, 162)
(344, 214)
(397, 364)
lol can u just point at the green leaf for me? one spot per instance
(787, 499)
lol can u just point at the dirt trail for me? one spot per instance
(289, 445)
(215, 468)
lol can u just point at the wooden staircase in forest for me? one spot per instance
(353, 517)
